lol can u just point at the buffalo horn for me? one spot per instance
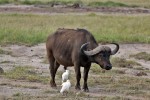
(91, 52)
(116, 49)
(83, 47)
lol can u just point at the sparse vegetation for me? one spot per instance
(21, 96)
(121, 84)
(5, 62)
(142, 55)
(95, 69)
(139, 68)
(113, 81)
(45, 60)
(114, 98)
(1, 71)
(51, 91)
(24, 73)
(121, 62)
(17, 94)
(5, 52)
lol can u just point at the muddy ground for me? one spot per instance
(35, 57)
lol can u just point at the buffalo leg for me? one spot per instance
(85, 86)
(65, 67)
(55, 68)
(51, 68)
(78, 76)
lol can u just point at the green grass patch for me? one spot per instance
(4, 1)
(108, 4)
(41, 2)
(139, 3)
(29, 2)
(95, 3)
(25, 73)
(50, 2)
(33, 29)
(65, 2)
(142, 55)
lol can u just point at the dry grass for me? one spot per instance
(121, 62)
(1, 71)
(142, 55)
(25, 73)
(19, 85)
(118, 82)
(5, 52)
(45, 60)
(105, 82)
(5, 62)
(114, 84)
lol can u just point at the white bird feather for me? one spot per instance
(65, 87)
(65, 76)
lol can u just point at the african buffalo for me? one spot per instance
(76, 47)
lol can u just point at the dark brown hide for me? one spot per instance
(64, 47)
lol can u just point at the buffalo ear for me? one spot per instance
(116, 49)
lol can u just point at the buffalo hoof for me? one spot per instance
(52, 84)
(77, 88)
(86, 89)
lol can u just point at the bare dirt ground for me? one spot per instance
(35, 56)
(10, 8)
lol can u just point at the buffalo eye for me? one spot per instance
(102, 55)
